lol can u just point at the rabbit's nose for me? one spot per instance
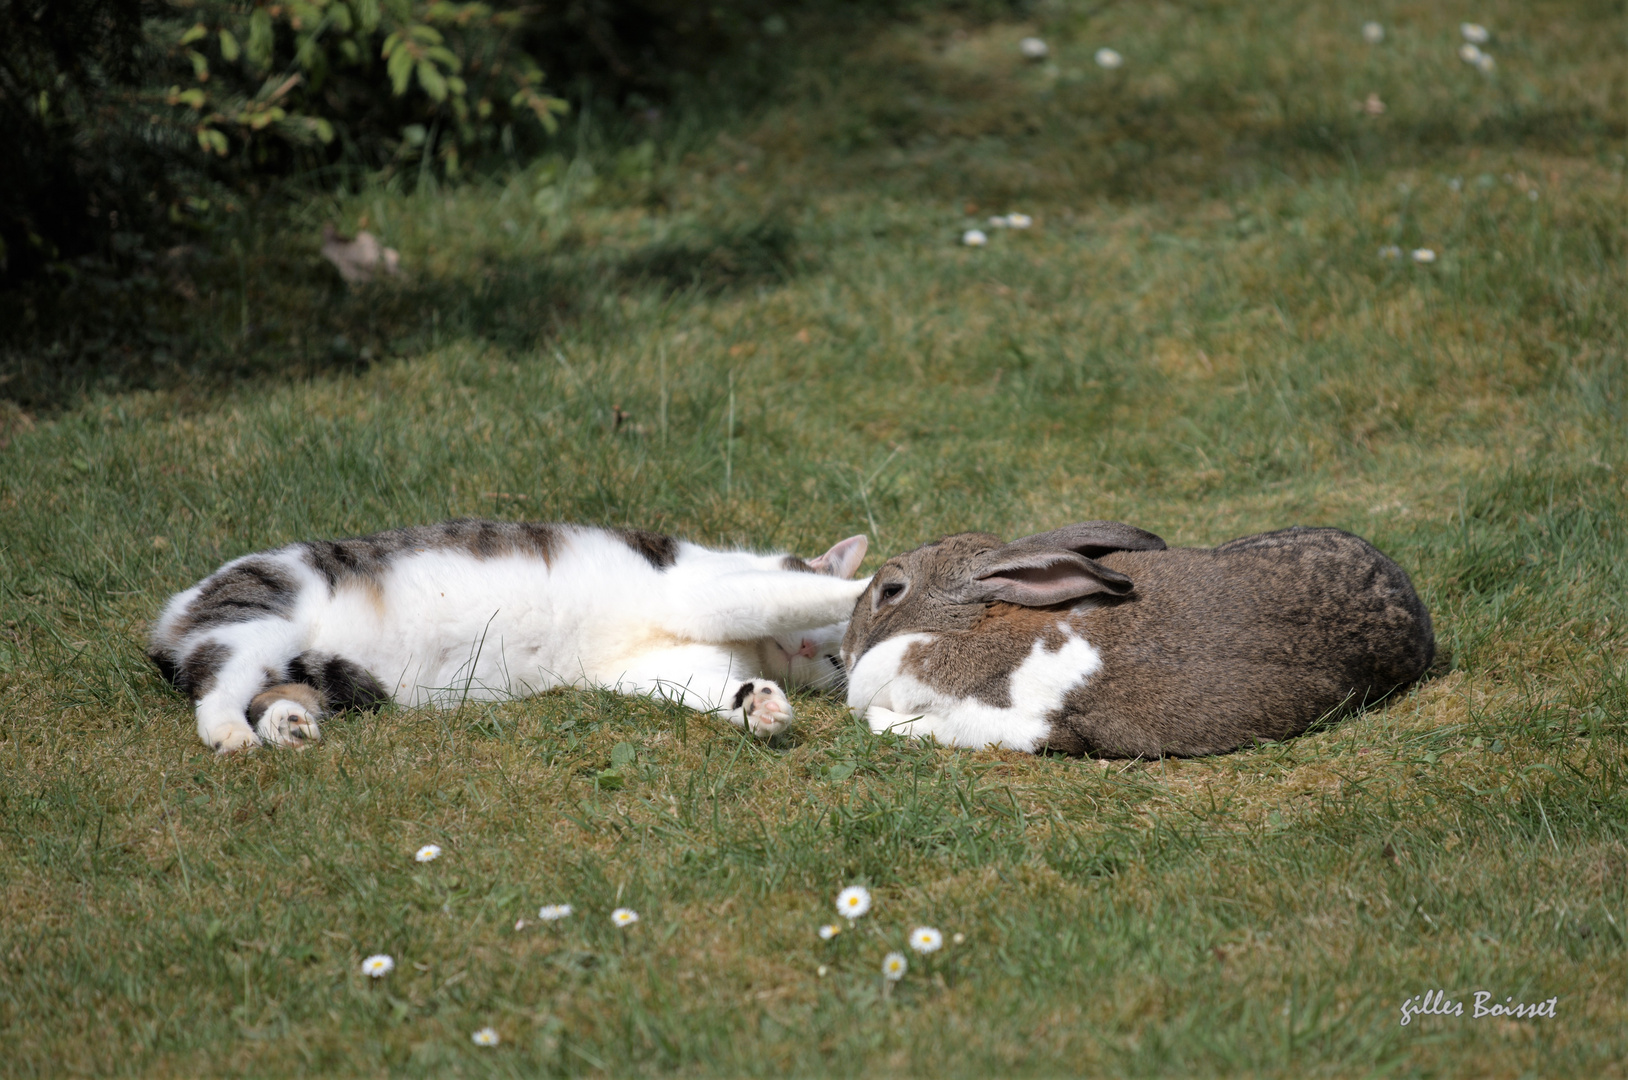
(807, 648)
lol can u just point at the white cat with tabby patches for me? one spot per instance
(271, 643)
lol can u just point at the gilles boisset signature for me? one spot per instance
(1437, 1003)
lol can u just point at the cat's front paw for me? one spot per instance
(763, 707)
(232, 740)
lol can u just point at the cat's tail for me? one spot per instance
(344, 684)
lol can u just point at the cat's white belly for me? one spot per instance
(442, 630)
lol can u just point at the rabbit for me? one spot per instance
(271, 642)
(1098, 639)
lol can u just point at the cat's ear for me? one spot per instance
(843, 558)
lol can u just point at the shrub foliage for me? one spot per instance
(129, 117)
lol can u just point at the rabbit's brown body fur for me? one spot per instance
(1210, 650)
(1256, 639)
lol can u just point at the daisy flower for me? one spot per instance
(1485, 62)
(1033, 48)
(829, 931)
(894, 967)
(378, 966)
(1373, 33)
(520, 924)
(926, 939)
(553, 912)
(1424, 255)
(959, 939)
(1474, 33)
(485, 1037)
(853, 902)
(624, 916)
(1390, 251)
(428, 853)
(1018, 221)
(1108, 58)
(821, 971)
(1470, 54)
(974, 238)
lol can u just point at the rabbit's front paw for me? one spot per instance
(763, 707)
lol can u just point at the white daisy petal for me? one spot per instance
(624, 916)
(486, 1037)
(974, 238)
(1109, 59)
(553, 912)
(1373, 33)
(1470, 54)
(926, 939)
(894, 966)
(428, 853)
(1424, 255)
(1475, 33)
(829, 931)
(1033, 48)
(853, 902)
(378, 966)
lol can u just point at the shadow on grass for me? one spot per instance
(205, 321)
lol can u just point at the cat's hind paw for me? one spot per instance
(287, 715)
(763, 708)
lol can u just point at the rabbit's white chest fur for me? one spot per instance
(882, 690)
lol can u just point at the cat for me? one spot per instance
(272, 643)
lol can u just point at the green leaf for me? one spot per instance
(261, 38)
(431, 79)
(400, 67)
(213, 141)
(230, 50)
(367, 14)
(200, 65)
(324, 130)
(195, 33)
(622, 755)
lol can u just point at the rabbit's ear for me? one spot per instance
(1092, 538)
(843, 558)
(1042, 578)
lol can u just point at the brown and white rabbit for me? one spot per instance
(1097, 639)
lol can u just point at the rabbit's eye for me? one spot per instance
(892, 589)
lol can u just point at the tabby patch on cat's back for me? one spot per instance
(432, 614)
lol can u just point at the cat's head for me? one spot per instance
(812, 658)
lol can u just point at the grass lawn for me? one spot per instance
(758, 326)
